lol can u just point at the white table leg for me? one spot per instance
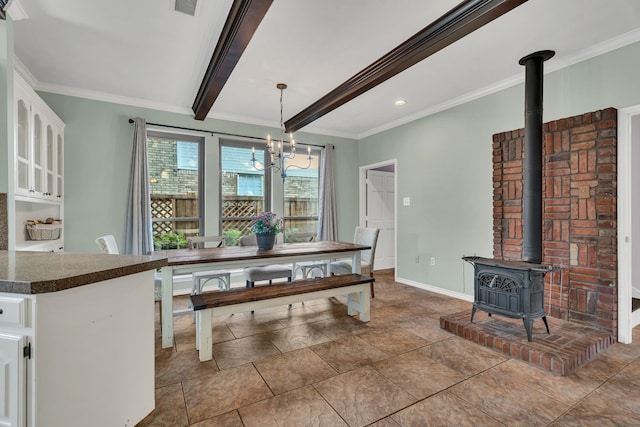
(167, 306)
(204, 334)
(355, 263)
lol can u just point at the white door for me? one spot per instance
(380, 214)
(13, 380)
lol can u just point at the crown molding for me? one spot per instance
(16, 11)
(580, 56)
(24, 72)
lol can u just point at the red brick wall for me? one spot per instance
(579, 213)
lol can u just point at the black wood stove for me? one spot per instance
(513, 289)
(516, 288)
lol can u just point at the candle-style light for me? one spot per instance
(277, 154)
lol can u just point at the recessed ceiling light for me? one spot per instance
(400, 102)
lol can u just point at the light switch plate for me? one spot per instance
(406, 201)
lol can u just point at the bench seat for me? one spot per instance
(209, 304)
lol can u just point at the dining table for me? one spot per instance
(188, 261)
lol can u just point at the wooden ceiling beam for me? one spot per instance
(465, 18)
(242, 22)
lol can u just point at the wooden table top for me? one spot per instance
(238, 253)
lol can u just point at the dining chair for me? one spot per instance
(362, 236)
(262, 273)
(307, 267)
(200, 278)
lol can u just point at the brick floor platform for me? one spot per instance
(568, 346)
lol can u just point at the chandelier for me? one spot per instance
(278, 156)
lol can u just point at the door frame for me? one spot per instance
(626, 319)
(362, 204)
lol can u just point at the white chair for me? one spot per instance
(363, 236)
(200, 278)
(108, 245)
(307, 267)
(268, 272)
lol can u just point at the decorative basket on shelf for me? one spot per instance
(40, 231)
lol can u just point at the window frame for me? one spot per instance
(185, 137)
(268, 179)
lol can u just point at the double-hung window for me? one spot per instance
(175, 164)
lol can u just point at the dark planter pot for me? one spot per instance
(265, 241)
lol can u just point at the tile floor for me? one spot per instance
(312, 365)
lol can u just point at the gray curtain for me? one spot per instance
(327, 209)
(138, 236)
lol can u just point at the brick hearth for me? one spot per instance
(568, 346)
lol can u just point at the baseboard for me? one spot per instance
(435, 289)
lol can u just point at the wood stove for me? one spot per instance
(516, 288)
(513, 289)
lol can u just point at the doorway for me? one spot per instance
(628, 222)
(378, 209)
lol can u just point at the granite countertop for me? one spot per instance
(41, 272)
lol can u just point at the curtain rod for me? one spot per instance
(212, 132)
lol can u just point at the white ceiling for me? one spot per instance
(141, 52)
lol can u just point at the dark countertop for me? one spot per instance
(41, 272)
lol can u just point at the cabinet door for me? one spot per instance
(50, 159)
(38, 155)
(13, 380)
(60, 166)
(23, 148)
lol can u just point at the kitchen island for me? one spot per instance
(76, 338)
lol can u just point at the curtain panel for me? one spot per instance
(327, 209)
(138, 234)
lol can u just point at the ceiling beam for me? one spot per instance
(465, 18)
(242, 22)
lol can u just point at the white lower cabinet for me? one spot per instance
(91, 355)
(13, 380)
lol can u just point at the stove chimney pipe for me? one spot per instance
(532, 164)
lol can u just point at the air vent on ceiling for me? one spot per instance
(186, 6)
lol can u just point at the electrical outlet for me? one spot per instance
(417, 259)
(433, 260)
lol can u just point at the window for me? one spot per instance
(175, 177)
(245, 192)
(301, 194)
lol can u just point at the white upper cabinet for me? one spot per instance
(39, 150)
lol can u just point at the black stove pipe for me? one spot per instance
(532, 163)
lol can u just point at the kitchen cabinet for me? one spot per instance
(73, 351)
(38, 163)
(39, 146)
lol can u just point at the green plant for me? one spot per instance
(169, 241)
(266, 223)
(232, 237)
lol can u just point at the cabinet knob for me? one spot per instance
(1, 311)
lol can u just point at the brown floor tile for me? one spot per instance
(418, 374)
(243, 350)
(254, 325)
(624, 390)
(391, 340)
(293, 370)
(463, 356)
(444, 410)
(175, 366)
(597, 411)
(301, 407)
(363, 396)
(348, 352)
(336, 326)
(230, 419)
(215, 394)
(297, 337)
(508, 401)
(170, 409)
(427, 329)
(569, 389)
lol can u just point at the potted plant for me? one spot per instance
(266, 226)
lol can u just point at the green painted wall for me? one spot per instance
(98, 140)
(444, 164)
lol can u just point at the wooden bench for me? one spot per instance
(220, 303)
